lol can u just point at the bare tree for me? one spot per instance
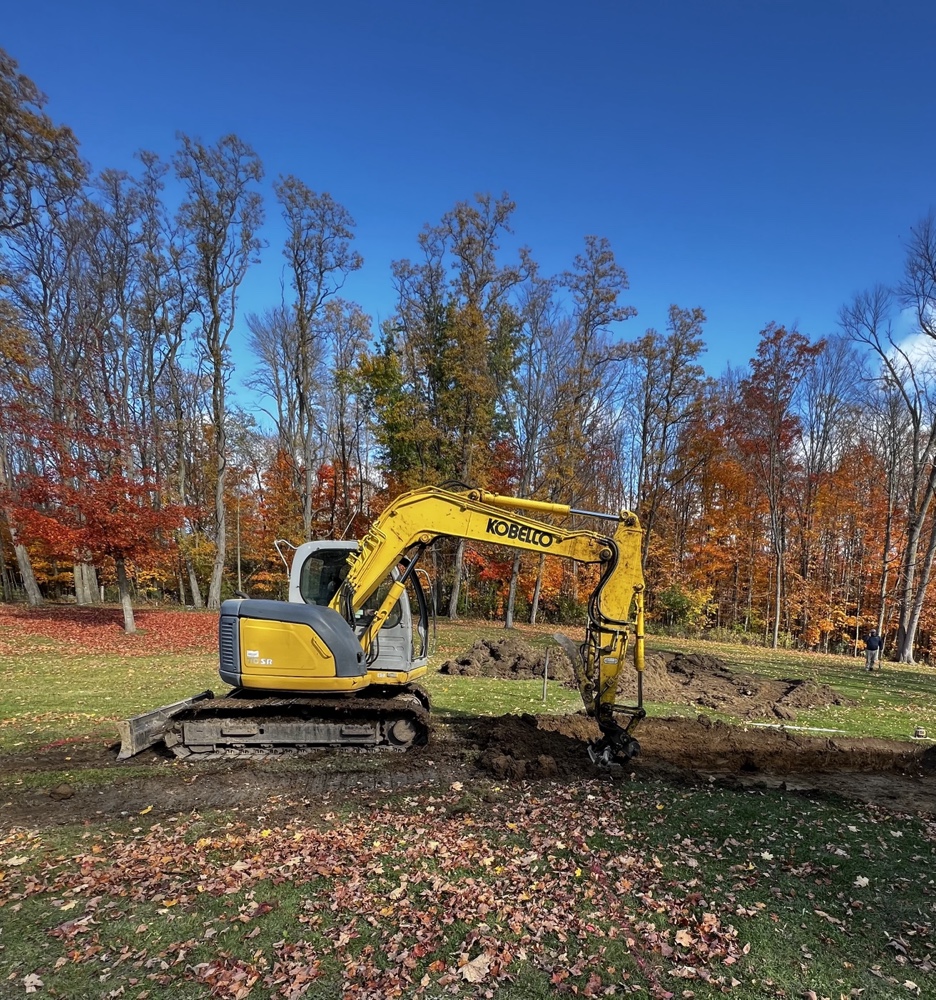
(220, 217)
(344, 328)
(588, 380)
(907, 370)
(162, 308)
(666, 392)
(527, 402)
(319, 259)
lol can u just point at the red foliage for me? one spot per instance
(109, 515)
(100, 630)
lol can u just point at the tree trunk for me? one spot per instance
(885, 567)
(4, 578)
(193, 584)
(81, 584)
(921, 590)
(512, 592)
(33, 594)
(123, 589)
(436, 581)
(217, 570)
(537, 589)
(906, 627)
(456, 581)
(86, 584)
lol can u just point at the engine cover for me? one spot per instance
(279, 646)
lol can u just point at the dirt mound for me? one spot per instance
(510, 658)
(707, 681)
(677, 678)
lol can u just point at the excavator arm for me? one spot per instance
(615, 607)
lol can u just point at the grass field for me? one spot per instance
(648, 887)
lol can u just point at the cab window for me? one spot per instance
(322, 575)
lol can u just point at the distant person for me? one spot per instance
(873, 646)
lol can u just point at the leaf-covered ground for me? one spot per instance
(491, 863)
(591, 889)
(101, 630)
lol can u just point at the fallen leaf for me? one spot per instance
(475, 970)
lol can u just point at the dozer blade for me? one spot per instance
(142, 731)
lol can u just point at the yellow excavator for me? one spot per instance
(326, 668)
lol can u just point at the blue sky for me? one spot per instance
(763, 160)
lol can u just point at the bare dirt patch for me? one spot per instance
(895, 775)
(707, 681)
(679, 678)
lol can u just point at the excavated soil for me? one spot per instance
(706, 681)
(679, 678)
(900, 776)
(511, 658)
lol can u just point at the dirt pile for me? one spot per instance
(528, 746)
(510, 658)
(676, 678)
(707, 681)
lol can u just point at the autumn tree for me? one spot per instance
(828, 412)
(39, 170)
(219, 218)
(435, 379)
(44, 289)
(93, 505)
(39, 167)
(769, 429)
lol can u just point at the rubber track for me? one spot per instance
(410, 703)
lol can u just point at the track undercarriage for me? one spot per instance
(240, 724)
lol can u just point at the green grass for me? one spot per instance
(46, 697)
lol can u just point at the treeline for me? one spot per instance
(786, 502)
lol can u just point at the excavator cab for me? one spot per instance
(317, 572)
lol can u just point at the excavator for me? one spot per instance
(336, 665)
